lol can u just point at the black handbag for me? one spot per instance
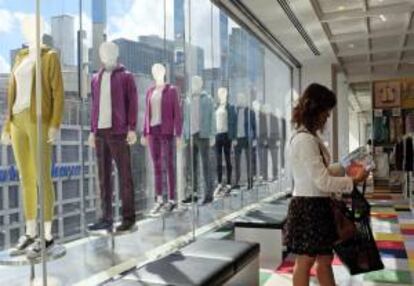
(360, 253)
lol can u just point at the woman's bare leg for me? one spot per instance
(303, 265)
(324, 270)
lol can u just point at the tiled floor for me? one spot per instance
(393, 227)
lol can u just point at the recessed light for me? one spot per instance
(351, 46)
(383, 18)
(341, 8)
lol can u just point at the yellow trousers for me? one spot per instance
(24, 142)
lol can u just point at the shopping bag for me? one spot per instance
(360, 253)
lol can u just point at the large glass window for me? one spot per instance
(204, 104)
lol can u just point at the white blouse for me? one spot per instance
(311, 176)
(24, 81)
(156, 101)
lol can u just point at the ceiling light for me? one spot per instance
(351, 46)
(383, 18)
(341, 8)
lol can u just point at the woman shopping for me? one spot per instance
(310, 228)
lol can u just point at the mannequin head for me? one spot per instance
(108, 53)
(28, 25)
(256, 106)
(241, 100)
(158, 73)
(222, 95)
(196, 85)
(266, 109)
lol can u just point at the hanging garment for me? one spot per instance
(382, 166)
(408, 156)
(396, 129)
(381, 130)
(399, 155)
(409, 123)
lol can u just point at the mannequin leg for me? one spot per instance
(155, 150)
(195, 154)
(238, 151)
(104, 163)
(219, 155)
(26, 165)
(204, 147)
(168, 151)
(31, 228)
(247, 155)
(122, 155)
(227, 149)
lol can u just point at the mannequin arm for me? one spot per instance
(56, 83)
(178, 119)
(91, 140)
(132, 104)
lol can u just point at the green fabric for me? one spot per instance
(390, 276)
(264, 276)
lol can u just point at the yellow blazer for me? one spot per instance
(52, 89)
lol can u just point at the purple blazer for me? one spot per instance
(124, 100)
(171, 117)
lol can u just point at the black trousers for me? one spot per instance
(274, 154)
(250, 155)
(223, 145)
(263, 158)
(200, 148)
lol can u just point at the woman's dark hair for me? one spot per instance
(315, 100)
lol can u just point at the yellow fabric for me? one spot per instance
(24, 143)
(52, 90)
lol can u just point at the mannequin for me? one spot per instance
(225, 133)
(246, 139)
(20, 130)
(200, 125)
(274, 142)
(114, 98)
(162, 123)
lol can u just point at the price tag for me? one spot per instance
(378, 112)
(396, 112)
(379, 150)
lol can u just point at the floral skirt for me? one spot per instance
(310, 227)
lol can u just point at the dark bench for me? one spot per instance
(264, 226)
(206, 262)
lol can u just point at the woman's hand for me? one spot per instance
(360, 176)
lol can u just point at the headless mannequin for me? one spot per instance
(29, 34)
(109, 53)
(223, 128)
(158, 72)
(112, 137)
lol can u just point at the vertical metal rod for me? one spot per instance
(80, 110)
(40, 162)
(32, 273)
(194, 211)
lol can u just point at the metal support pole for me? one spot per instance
(32, 273)
(40, 163)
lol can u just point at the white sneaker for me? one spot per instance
(218, 192)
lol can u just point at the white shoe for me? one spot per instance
(156, 209)
(218, 192)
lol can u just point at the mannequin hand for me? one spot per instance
(212, 142)
(179, 142)
(91, 140)
(131, 138)
(5, 138)
(254, 143)
(144, 141)
(51, 135)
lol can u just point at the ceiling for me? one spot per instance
(369, 39)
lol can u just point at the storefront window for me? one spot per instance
(174, 117)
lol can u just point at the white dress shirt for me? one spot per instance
(24, 81)
(241, 132)
(156, 100)
(311, 176)
(105, 102)
(195, 114)
(222, 119)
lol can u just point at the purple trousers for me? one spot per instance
(162, 151)
(114, 147)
